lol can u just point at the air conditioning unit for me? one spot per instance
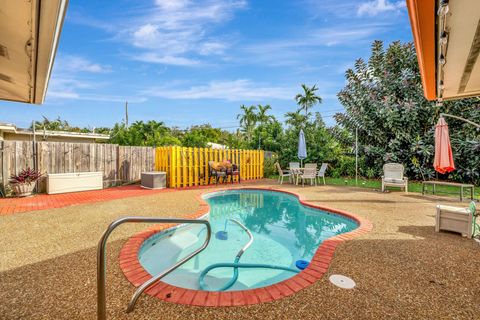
(75, 181)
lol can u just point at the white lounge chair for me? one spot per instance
(456, 219)
(321, 172)
(282, 173)
(393, 176)
(309, 172)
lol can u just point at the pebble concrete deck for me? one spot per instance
(403, 268)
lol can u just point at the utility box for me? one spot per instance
(154, 180)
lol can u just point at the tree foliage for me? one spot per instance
(384, 99)
(308, 98)
(139, 133)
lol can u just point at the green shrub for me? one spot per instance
(345, 166)
(269, 169)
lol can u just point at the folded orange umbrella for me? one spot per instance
(443, 149)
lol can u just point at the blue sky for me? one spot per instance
(188, 62)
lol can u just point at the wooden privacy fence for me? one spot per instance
(187, 167)
(118, 163)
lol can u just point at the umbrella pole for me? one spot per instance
(460, 118)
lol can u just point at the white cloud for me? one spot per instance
(145, 34)
(373, 8)
(296, 50)
(171, 4)
(177, 30)
(72, 80)
(62, 94)
(69, 95)
(235, 90)
(152, 57)
(212, 48)
(73, 63)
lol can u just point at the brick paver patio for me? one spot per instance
(49, 201)
(46, 201)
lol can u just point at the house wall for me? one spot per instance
(7, 136)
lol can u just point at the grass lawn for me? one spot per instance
(413, 186)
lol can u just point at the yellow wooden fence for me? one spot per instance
(188, 167)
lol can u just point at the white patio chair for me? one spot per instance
(294, 168)
(322, 171)
(282, 173)
(311, 165)
(309, 173)
(393, 176)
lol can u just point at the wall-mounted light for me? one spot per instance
(440, 85)
(444, 38)
(442, 60)
(443, 8)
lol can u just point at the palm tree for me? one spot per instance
(248, 120)
(262, 115)
(308, 99)
(295, 119)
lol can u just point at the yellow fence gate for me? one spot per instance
(186, 167)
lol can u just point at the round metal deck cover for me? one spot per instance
(342, 281)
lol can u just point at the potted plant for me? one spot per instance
(24, 182)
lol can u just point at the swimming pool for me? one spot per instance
(284, 231)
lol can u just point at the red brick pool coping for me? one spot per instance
(137, 275)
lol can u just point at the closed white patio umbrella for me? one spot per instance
(302, 147)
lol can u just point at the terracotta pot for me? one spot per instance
(23, 189)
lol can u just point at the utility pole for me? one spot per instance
(34, 145)
(356, 156)
(126, 114)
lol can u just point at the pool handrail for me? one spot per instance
(250, 235)
(101, 259)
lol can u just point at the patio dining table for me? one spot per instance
(296, 172)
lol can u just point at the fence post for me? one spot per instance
(262, 164)
(205, 166)
(190, 166)
(178, 163)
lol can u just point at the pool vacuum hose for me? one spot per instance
(236, 265)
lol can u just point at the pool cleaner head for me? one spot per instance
(301, 264)
(222, 235)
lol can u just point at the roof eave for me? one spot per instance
(422, 20)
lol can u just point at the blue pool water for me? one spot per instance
(284, 231)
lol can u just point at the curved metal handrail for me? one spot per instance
(250, 235)
(101, 259)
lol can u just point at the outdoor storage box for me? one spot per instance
(154, 180)
(75, 181)
(454, 219)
